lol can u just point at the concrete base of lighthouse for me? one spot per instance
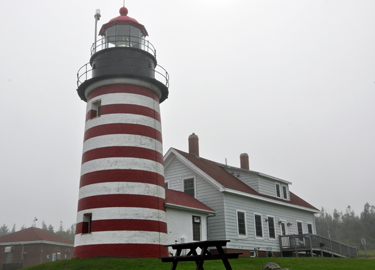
(121, 210)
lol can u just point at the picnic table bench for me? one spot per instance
(205, 254)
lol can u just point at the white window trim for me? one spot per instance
(299, 221)
(238, 233)
(261, 224)
(280, 190)
(274, 227)
(312, 227)
(195, 184)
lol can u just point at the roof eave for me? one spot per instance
(270, 200)
(182, 207)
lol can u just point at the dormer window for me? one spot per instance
(285, 192)
(278, 194)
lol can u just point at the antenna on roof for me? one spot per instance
(35, 220)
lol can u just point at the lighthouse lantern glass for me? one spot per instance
(124, 36)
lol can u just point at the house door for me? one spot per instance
(283, 228)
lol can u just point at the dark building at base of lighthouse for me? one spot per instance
(121, 207)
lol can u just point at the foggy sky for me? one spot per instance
(291, 83)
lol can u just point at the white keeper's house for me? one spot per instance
(249, 208)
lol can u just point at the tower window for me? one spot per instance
(87, 223)
(96, 109)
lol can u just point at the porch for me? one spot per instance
(310, 244)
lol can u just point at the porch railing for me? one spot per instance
(316, 244)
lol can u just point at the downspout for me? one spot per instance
(208, 216)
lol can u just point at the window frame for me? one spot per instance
(238, 224)
(87, 218)
(274, 227)
(194, 222)
(286, 193)
(299, 222)
(277, 190)
(194, 183)
(261, 226)
(312, 228)
(96, 106)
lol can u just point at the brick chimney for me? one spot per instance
(194, 144)
(244, 161)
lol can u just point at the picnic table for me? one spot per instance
(204, 255)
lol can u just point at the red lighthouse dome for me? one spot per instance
(121, 205)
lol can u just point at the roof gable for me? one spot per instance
(217, 173)
(33, 234)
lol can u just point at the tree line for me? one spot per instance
(68, 233)
(348, 228)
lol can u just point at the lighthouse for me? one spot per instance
(121, 204)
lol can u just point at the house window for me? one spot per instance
(87, 223)
(96, 109)
(299, 227)
(258, 226)
(166, 185)
(196, 228)
(285, 193)
(241, 223)
(309, 228)
(271, 227)
(189, 186)
(278, 190)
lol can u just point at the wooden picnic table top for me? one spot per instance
(209, 243)
(205, 253)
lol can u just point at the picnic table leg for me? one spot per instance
(199, 264)
(225, 261)
(175, 261)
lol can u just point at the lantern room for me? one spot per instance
(123, 31)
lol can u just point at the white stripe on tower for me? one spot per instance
(122, 175)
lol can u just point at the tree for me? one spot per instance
(4, 230)
(50, 229)
(44, 226)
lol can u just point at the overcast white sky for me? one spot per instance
(291, 83)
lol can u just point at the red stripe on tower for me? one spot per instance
(121, 210)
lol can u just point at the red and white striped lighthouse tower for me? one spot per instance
(121, 210)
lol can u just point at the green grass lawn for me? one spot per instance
(237, 264)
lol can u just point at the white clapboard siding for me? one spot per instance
(251, 206)
(205, 192)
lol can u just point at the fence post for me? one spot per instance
(281, 246)
(321, 247)
(295, 245)
(310, 240)
(349, 252)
